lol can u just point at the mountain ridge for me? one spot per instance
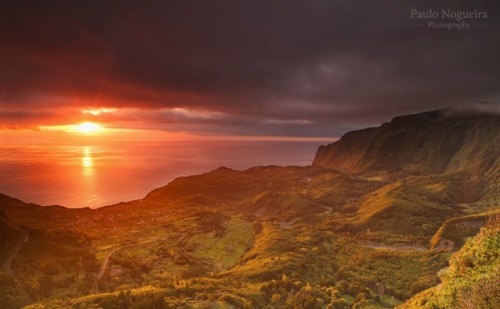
(353, 230)
(439, 141)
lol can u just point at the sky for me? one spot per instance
(240, 68)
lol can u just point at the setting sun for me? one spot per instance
(88, 128)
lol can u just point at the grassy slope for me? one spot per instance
(458, 229)
(473, 279)
(269, 236)
(256, 226)
(8, 238)
(427, 143)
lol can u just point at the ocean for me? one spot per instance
(100, 175)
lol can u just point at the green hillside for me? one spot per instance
(473, 278)
(420, 143)
(367, 226)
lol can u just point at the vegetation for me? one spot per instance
(473, 278)
(10, 237)
(279, 237)
(11, 294)
(455, 230)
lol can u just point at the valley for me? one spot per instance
(368, 225)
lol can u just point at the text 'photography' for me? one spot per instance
(249, 154)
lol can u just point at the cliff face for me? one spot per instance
(432, 142)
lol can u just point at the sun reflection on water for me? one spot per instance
(87, 161)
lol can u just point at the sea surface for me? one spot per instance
(96, 176)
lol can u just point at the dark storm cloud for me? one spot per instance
(272, 67)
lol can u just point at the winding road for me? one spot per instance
(393, 247)
(105, 262)
(17, 248)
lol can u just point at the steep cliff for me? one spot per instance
(432, 142)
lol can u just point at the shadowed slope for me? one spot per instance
(432, 142)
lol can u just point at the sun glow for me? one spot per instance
(88, 128)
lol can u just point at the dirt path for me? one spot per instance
(102, 270)
(393, 247)
(105, 263)
(16, 250)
